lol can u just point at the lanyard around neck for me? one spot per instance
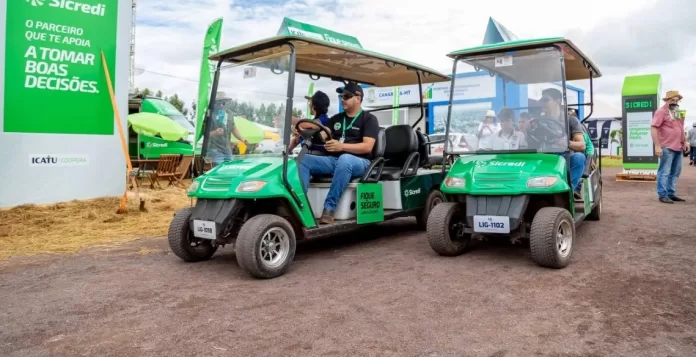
(351, 123)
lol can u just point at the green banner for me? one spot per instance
(395, 112)
(296, 28)
(370, 208)
(310, 93)
(54, 80)
(640, 96)
(211, 44)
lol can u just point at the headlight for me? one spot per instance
(194, 186)
(250, 186)
(542, 181)
(454, 182)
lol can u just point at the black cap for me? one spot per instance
(352, 88)
(320, 101)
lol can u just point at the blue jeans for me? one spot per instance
(692, 154)
(577, 167)
(219, 157)
(668, 171)
(344, 168)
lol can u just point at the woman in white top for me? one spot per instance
(487, 131)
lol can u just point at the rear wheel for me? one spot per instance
(183, 243)
(265, 246)
(446, 230)
(435, 197)
(552, 237)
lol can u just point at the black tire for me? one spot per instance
(249, 241)
(183, 243)
(596, 213)
(543, 240)
(440, 227)
(435, 197)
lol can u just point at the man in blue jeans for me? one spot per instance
(551, 101)
(349, 149)
(667, 130)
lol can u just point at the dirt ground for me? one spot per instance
(630, 291)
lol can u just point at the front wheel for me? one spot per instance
(445, 230)
(183, 243)
(435, 197)
(552, 237)
(265, 246)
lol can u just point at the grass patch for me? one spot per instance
(612, 161)
(71, 226)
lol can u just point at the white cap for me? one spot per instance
(490, 113)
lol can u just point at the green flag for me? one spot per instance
(395, 112)
(210, 46)
(309, 94)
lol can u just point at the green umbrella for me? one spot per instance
(152, 124)
(249, 131)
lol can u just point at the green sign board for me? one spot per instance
(370, 208)
(638, 105)
(296, 28)
(54, 80)
(640, 95)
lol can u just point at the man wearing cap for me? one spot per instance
(319, 104)
(221, 131)
(552, 106)
(348, 150)
(487, 131)
(667, 132)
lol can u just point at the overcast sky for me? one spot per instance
(621, 37)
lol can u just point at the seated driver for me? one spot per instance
(508, 138)
(319, 104)
(348, 150)
(552, 106)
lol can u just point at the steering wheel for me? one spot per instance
(311, 129)
(546, 130)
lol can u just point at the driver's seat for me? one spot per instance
(374, 167)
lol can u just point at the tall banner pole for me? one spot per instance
(395, 104)
(310, 92)
(211, 43)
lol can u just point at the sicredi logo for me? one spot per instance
(70, 5)
(57, 160)
(412, 192)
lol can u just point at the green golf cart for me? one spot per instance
(518, 184)
(257, 202)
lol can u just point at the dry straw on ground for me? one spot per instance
(71, 226)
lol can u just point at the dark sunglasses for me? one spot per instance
(347, 96)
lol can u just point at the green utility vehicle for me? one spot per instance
(257, 202)
(518, 183)
(149, 147)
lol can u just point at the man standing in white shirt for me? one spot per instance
(487, 131)
(508, 138)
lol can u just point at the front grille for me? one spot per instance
(217, 183)
(496, 177)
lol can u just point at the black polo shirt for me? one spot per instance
(364, 125)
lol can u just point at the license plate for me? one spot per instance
(491, 224)
(204, 229)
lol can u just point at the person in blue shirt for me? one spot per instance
(318, 106)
